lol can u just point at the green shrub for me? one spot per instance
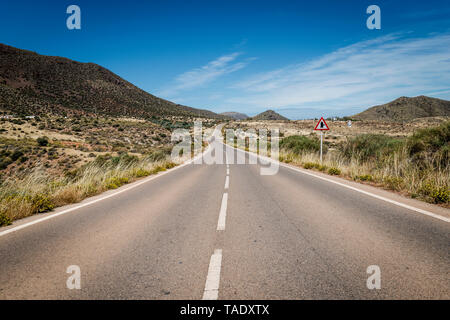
(431, 142)
(334, 171)
(394, 183)
(309, 165)
(158, 169)
(5, 163)
(430, 139)
(116, 182)
(441, 195)
(16, 155)
(158, 155)
(299, 144)
(170, 165)
(369, 146)
(125, 159)
(365, 177)
(4, 220)
(141, 173)
(42, 141)
(41, 203)
(426, 189)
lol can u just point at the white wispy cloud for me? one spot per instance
(206, 74)
(359, 75)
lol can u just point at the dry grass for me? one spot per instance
(396, 173)
(39, 192)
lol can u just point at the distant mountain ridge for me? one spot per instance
(269, 115)
(235, 115)
(407, 109)
(31, 83)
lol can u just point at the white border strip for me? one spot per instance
(425, 212)
(135, 185)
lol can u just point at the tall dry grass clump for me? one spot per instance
(37, 192)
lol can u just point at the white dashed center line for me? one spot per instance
(213, 279)
(223, 213)
(227, 182)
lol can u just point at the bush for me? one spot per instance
(16, 155)
(366, 177)
(334, 171)
(433, 142)
(299, 144)
(170, 165)
(124, 158)
(441, 195)
(309, 165)
(116, 182)
(41, 203)
(158, 155)
(42, 141)
(139, 173)
(369, 146)
(426, 189)
(394, 183)
(437, 194)
(5, 163)
(4, 220)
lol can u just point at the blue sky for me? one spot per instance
(301, 58)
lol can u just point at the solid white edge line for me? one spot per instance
(137, 184)
(425, 212)
(223, 213)
(213, 278)
(227, 182)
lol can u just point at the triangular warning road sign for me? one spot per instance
(321, 125)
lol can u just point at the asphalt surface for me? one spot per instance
(284, 236)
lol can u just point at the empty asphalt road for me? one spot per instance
(228, 232)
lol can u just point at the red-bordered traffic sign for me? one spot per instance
(321, 125)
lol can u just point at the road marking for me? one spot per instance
(135, 185)
(223, 213)
(425, 212)
(213, 279)
(228, 171)
(227, 182)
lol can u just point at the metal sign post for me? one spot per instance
(321, 126)
(321, 143)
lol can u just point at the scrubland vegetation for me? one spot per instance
(50, 161)
(38, 191)
(417, 165)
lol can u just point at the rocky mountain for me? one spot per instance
(235, 115)
(33, 84)
(269, 115)
(407, 109)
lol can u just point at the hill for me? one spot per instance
(235, 115)
(269, 115)
(407, 109)
(33, 84)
